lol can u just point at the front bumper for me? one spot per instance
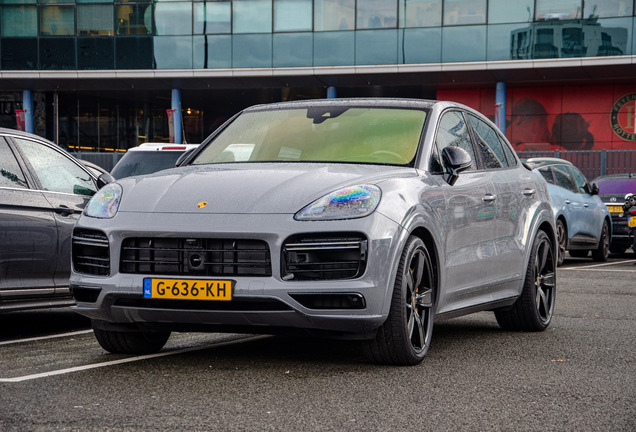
(259, 304)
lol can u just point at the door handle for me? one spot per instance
(528, 192)
(63, 210)
(567, 201)
(489, 198)
(586, 205)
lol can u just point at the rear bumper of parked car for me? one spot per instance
(262, 303)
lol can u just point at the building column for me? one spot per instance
(500, 107)
(331, 92)
(176, 116)
(27, 105)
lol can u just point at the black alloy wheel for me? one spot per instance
(534, 309)
(405, 336)
(602, 252)
(562, 238)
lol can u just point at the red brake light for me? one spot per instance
(173, 148)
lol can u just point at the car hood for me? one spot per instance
(246, 188)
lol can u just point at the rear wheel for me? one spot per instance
(131, 342)
(603, 250)
(562, 237)
(533, 310)
(405, 336)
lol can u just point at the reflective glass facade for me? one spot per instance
(220, 34)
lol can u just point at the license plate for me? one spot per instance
(615, 209)
(188, 289)
(632, 221)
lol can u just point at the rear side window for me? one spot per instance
(488, 144)
(10, 173)
(452, 131)
(546, 172)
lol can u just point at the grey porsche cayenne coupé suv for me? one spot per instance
(360, 218)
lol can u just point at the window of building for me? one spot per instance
(212, 17)
(558, 10)
(608, 8)
(19, 21)
(334, 15)
(95, 20)
(292, 15)
(506, 11)
(173, 18)
(94, 53)
(252, 16)
(57, 21)
(420, 13)
(134, 19)
(373, 14)
(461, 12)
(57, 53)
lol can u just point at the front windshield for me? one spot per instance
(319, 134)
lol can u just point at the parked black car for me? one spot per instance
(43, 190)
(612, 190)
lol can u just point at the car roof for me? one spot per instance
(149, 146)
(356, 102)
(543, 161)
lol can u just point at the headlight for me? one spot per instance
(105, 202)
(347, 203)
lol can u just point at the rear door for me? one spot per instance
(28, 232)
(67, 186)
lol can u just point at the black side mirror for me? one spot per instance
(594, 189)
(183, 157)
(456, 159)
(104, 179)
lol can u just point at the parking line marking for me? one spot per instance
(39, 338)
(127, 360)
(593, 266)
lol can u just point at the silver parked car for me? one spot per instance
(360, 218)
(43, 190)
(583, 222)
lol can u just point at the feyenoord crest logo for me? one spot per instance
(623, 117)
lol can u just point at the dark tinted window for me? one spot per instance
(489, 145)
(546, 172)
(452, 131)
(144, 162)
(10, 173)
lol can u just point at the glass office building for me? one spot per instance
(101, 75)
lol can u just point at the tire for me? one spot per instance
(562, 238)
(405, 336)
(533, 310)
(577, 253)
(131, 342)
(602, 252)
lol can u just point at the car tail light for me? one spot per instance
(173, 148)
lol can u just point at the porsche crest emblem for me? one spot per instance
(202, 204)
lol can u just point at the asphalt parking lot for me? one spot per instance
(577, 375)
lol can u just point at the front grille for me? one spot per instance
(195, 257)
(91, 252)
(324, 256)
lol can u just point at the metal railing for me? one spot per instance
(592, 163)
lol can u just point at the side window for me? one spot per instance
(10, 173)
(56, 172)
(512, 161)
(452, 131)
(580, 180)
(488, 144)
(563, 178)
(546, 172)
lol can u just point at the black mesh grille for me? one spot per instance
(324, 256)
(195, 257)
(91, 252)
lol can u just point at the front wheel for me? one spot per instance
(533, 310)
(131, 342)
(603, 250)
(405, 336)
